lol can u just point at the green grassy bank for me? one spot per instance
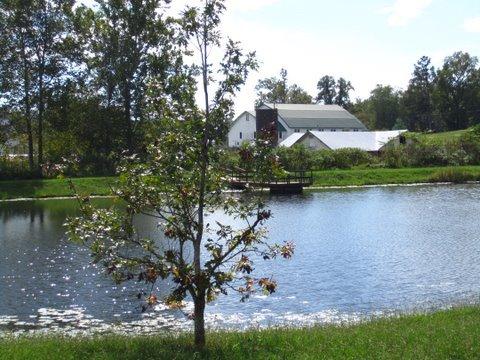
(101, 185)
(452, 334)
(395, 176)
(14, 189)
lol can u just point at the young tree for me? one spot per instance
(278, 91)
(326, 90)
(180, 185)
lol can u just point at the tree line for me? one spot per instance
(77, 80)
(441, 99)
(90, 82)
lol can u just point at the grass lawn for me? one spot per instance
(101, 185)
(13, 189)
(441, 137)
(452, 334)
(388, 176)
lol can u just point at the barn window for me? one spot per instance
(240, 134)
(247, 116)
(280, 134)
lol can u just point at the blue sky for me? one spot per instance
(367, 41)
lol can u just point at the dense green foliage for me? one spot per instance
(451, 334)
(278, 91)
(420, 150)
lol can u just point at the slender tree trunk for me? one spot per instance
(199, 320)
(28, 118)
(41, 110)
(128, 110)
(200, 295)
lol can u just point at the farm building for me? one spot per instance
(371, 141)
(288, 119)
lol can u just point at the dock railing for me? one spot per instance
(300, 177)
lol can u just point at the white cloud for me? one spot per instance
(472, 24)
(231, 5)
(307, 59)
(404, 11)
(249, 5)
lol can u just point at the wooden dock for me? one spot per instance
(293, 183)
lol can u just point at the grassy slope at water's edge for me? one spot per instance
(14, 189)
(451, 334)
(382, 176)
(101, 185)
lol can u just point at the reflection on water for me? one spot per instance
(359, 253)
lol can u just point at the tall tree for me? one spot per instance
(277, 90)
(16, 65)
(326, 90)
(418, 99)
(343, 93)
(36, 37)
(457, 91)
(128, 41)
(385, 106)
(181, 184)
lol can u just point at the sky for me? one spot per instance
(368, 42)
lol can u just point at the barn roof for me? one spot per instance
(316, 116)
(365, 140)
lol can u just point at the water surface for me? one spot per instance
(359, 253)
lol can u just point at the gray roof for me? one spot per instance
(316, 116)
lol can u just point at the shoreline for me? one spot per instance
(450, 333)
(306, 189)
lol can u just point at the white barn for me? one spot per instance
(294, 118)
(371, 141)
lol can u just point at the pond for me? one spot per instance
(359, 253)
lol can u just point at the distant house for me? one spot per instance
(288, 119)
(371, 141)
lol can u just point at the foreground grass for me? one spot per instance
(452, 334)
(54, 187)
(393, 176)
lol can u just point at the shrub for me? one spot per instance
(298, 157)
(15, 168)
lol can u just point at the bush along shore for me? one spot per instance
(450, 334)
(101, 186)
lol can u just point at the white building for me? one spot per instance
(243, 128)
(371, 141)
(294, 118)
